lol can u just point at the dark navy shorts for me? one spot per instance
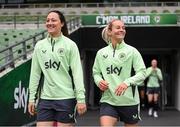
(141, 88)
(127, 114)
(153, 90)
(56, 110)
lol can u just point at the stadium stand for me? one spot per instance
(11, 38)
(22, 25)
(18, 44)
(81, 8)
(26, 20)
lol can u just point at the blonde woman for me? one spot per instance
(112, 74)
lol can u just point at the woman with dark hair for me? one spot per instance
(64, 28)
(56, 56)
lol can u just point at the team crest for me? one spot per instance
(61, 51)
(157, 19)
(122, 56)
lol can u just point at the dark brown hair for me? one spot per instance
(64, 29)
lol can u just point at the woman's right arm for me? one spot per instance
(34, 81)
(97, 75)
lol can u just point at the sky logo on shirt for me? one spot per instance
(52, 64)
(114, 70)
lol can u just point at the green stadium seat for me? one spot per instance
(166, 11)
(12, 36)
(177, 11)
(154, 11)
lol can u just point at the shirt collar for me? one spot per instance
(118, 45)
(55, 39)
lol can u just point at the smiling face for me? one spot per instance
(54, 24)
(117, 30)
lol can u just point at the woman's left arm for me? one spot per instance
(77, 73)
(159, 74)
(139, 68)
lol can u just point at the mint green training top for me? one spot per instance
(154, 76)
(115, 66)
(55, 58)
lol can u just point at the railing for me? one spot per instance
(9, 56)
(17, 21)
(18, 51)
(89, 5)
